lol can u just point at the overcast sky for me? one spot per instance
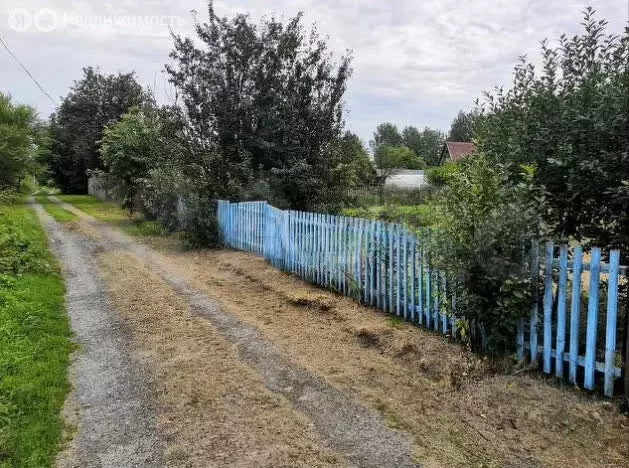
(415, 61)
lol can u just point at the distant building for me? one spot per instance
(405, 179)
(455, 150)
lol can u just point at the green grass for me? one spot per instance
(103, 211)
(145, 228)
(111, 213)
(34, 343)
(413, 215)
(56, 211)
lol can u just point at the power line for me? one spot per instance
(27, 71)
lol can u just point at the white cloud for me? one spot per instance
(414, 62)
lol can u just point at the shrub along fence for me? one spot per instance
(388, 266)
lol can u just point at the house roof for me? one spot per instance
(459, 149)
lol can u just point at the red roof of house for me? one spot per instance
(459, 149)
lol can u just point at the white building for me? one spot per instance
(406, 179)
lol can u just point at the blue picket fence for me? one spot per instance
(388, 266)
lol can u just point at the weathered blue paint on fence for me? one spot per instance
(590, 338)
(548, 307)
(535, 305)
(561, 310)
(612, 313)
(575, 311)
(389, 266)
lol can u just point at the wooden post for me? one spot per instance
(626, 366)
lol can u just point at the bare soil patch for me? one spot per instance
(458, 411)
(213, 410)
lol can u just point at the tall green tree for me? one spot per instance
(386, 135)
(571, 119)
(21, 141)
(463, 125)
(426, 144)
(77, 126)
(350, 156)
(267, 99)
(130, 148)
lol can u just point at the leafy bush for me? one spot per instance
(570, 118)
(439, 176)
(161, 195)
(480, 241)
(8, 197)
(199, 223)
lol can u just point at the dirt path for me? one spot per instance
(452, 407)
(116, 418)
(312, 423)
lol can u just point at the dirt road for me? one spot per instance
(248, 366)
(249, 404)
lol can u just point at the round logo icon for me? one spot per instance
(45, 20)
(20, 19)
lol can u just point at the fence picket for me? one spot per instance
(398, 272)
(610, 331)
(405, 275)
(413, 242)
(575, 311)
(420, 285)
(548, 307)
(390, 238)
(428, 310)
(535, 308)
(590, 337)
(561, 310)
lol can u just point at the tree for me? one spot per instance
(426, 144)
(350, 156)
(21, 141)
(395, 158)
(386, 135)
(572, 121)
(264, 99)
(463, 126)
(129, 149)
(78, 124)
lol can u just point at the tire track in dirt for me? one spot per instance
(214, 410)
(351, 428)
(116, 417)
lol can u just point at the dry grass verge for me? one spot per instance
(458, 411)
(213, 410)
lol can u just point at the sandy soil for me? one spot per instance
(458, 411)
(213, 410)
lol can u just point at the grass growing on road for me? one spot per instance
(103, 211)
(34, 343)
(111, 213)
(55, 210)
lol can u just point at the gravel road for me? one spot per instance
(116, 418)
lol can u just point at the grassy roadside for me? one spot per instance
(111, 213)
(34, 342)
(55, 210)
